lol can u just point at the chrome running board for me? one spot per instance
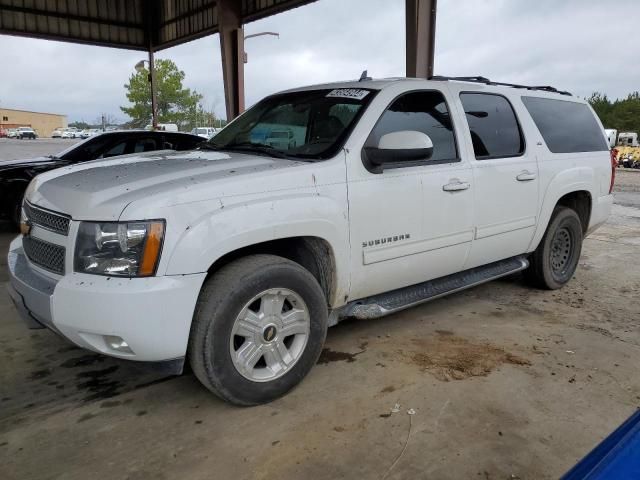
(402, 298)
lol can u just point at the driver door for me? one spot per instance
(413, 221)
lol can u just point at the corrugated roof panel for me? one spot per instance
(185, 20)
(134, 24)
(256, 9)
(116, 23)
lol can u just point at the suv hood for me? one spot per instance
(102, 189)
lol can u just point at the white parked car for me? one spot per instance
(164, 127)
(26, 132)
(282, 139)
(90, 132)
(57, 133)
(239, 255)
(68, 133)
(204, 132)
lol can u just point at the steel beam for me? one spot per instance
(420, 37)
(232, 49)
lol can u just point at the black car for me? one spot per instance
(15, 175)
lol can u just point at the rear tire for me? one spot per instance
(555, 260)
(258, 328)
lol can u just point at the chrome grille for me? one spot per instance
(54, 222)
(45, 254)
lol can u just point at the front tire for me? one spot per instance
(259, 327)
(555, 260)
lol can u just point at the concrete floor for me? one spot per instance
(12, 149)
(506, 382)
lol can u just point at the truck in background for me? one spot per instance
(628, 139)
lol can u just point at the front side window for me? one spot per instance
(493, 125)
(302, 125)
(117, 149)
(424, 112)
(144, 145)
(566, 126)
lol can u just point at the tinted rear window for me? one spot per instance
(494, 129)
(566, 127)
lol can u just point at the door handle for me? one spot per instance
(456, 186)
(526, 176)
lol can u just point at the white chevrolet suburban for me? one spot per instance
(239, 255)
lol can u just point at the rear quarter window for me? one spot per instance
(565, 126)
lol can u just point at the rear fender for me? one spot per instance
(567, 181)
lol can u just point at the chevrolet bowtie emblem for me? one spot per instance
(25, 228)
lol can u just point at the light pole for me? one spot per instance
(246, 37)
(152, 83)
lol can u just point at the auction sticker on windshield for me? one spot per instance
(355, 93)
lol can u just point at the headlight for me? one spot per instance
(126, 249)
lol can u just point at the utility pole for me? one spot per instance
(152, 84)
(151, 77)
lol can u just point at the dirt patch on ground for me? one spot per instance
(449, 357)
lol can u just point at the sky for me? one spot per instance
(575, 45)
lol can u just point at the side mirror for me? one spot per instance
(402, 146)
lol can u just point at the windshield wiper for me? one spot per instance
(256, 147)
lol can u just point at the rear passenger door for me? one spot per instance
(505, 176)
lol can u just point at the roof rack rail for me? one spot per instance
(486, 81)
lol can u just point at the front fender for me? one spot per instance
(567, 181)
(213, 234)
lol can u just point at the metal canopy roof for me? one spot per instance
(152, 25)
(132, 24)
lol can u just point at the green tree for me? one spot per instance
(175, 102)
(621, 114)
(627, 113)
(602, 106)
(80, 125)
(200, 117)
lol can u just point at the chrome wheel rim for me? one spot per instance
(269, 334)
(561, 250)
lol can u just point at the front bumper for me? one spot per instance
(152, 315)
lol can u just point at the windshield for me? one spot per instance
(308, 125)
(201, 130)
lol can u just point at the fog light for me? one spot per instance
(117, 343)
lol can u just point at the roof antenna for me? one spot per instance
(364, 77)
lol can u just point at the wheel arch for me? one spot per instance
(9, 190)
(579, 201)
(312, 253)
(573, 188)
(310, 230)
